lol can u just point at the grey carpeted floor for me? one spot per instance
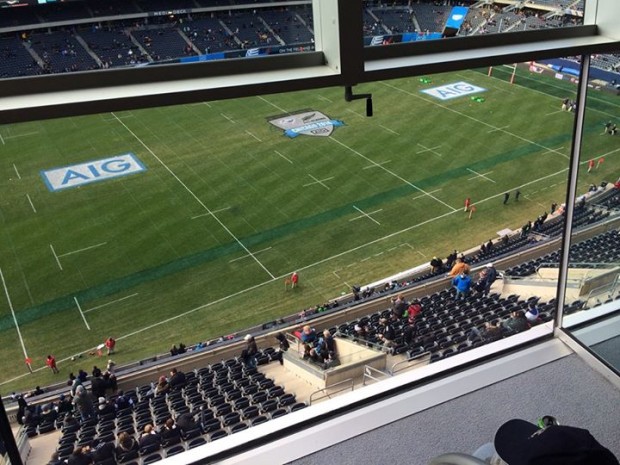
(567, 389)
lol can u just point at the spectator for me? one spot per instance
(80, 456)
(283, 347)
(149, 438)
(83, 403)
(450, 259)
(489, 333)
(170, 433)
(54, 460)
(174, 350)
(491, 276)
(386, 333)
(102, 451)
(459, 267)
(110, 366)
(361, 333)
(413, 311)
(163, 387)
(517, 322)
(64, 405)
(104, 407)
(182, 348)
(308, 339)
(98, 387)
(248, 355)
(409, 334)
(436, 265)
(186, 422)
(96, 371)
(126, 445)
(82, 376)
(533, 313)
(51, 363)
(122, 402)
(462, 284)
(399, 307)
(177, 379)
(325, 350)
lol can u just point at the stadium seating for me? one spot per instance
(61, 52)
(15, 59)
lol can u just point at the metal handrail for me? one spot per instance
(611, 287)
(367, 374)
(348, 381)
(393, 370)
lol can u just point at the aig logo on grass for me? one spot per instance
(450, 91)
(84, 173)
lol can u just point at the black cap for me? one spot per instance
(519, 442)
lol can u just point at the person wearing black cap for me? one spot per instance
(519, 442)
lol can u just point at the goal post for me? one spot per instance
(512, 69)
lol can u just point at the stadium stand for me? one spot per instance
(112, 45)
(163, 43)
(16, 61)
(60, 52)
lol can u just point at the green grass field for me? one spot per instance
(199, 244)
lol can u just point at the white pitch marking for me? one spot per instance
(196, 198)
(430, 149)
(246, 256)
(16, 172)
(367, 215)
(228, 118)
(250, 134)
(554, 112)
(393, 248)
(272, 104)
(376, 165)
(528, 197)
(431, 102)
(336, 274)
(214, 211)
(556, 151)
(389, 130)
(81, 313)
(377, 254)
(318, 181)
(56, 257)
(82, 250)
(355, 113)
(407, 244)
(2, 139)
(31, 204)
(110, 303)
(26, 134)
(279, 154)
(424, 195)
(8, 299)
(392, 173)
(497, 129)
(481, 175)
(365, 259)
(325, 99)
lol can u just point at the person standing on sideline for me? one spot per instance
(590, 165)
(472, 210)
(506, 197)
(517, 195)
(600, 161)
(294, 280)
(467, 203)
(109, 344)
(51, 362)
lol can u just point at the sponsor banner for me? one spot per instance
(93, 171)
(559, 76)
(450, 91)
(457, 16)
(308, 123)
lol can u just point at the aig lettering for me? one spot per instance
(450, 91)
(94, 171)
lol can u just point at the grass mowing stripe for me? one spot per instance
(262, 237)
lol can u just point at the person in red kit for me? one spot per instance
(600, 161)
(51, 362)
(110, 343)
(467, 203)
(294, 279)
(590, 165)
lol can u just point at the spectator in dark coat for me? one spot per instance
(516, 323)
(248, 355)
(149, 438)
(177, 379)
(170, 433)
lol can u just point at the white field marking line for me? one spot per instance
(375, 165)
(214, 211)
(325, 99)
(56, 257)
(471, 118)
(367, 215)
(423, 256)
(424, 195)
(356, 113)
(407, 244)
(528, 198)
(554, 112)
(272, 104)
(31, 204)
(481, 175)
(246, 256)
(16, 172)
(202, 204)
(110, 303)
(250, 134)
(498, 129)
(318, 181)
(389, 130)
(551, 151)
(391, 172)
(82, 250)
(227, 117)
(430, 149)
(285, 275)
(8, 299)
(26, 134)
(2, 139)
(81, 313)
(280, 155)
